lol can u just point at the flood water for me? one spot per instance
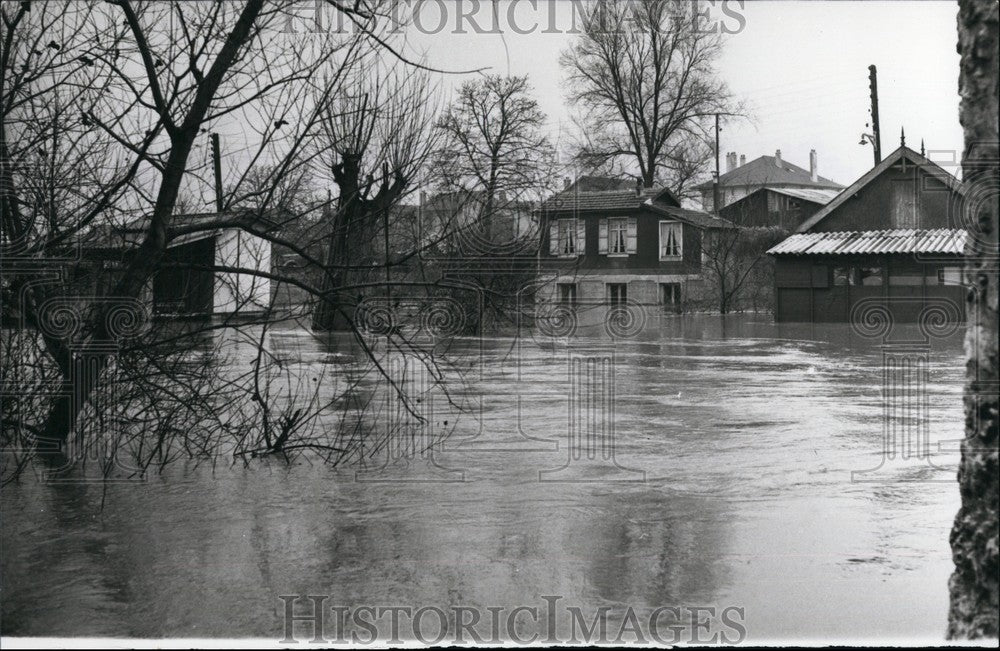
(730, 485)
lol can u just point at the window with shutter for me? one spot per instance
(618, 236)
(602, 237)
(581, 237)
(632, 234)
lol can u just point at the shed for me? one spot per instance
(892, 241)
(198, 274)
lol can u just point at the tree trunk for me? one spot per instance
(973, 585)
(350, 253)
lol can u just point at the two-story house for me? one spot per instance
(890, 246)
(635, 247)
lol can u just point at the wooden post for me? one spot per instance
(873, 87)
(217, 164)
(715, 187)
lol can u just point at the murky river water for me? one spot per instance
(730, 485)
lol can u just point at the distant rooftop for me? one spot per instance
(770, 171)
(821, 196)
(133, 231)
(600, 184)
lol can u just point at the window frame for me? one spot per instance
(624, 253)
(680, 241)
(570, 231)
(676, 289)
(572, 302)
(622, 294)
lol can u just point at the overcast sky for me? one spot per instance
(801, 66)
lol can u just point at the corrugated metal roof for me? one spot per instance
(941, 240)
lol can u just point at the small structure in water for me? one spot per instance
(892, 241)
(212, 265)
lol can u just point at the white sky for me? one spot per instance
(801, 66)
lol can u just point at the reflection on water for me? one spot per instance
(747, 434)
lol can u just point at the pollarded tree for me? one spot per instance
(377, 134)
(642, 75)
(102, 107)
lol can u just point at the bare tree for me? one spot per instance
(731, 258)
(377, 135)
(102, 108)
(493, 144)
(643, 79)
(494, 163)
(734, 259)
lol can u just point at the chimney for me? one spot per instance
(730, 161)
(813, 174)
(743, 160)
(777, 157)
(638, 187)
(567, 182)
(423, 198)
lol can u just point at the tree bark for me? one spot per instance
(974, 608)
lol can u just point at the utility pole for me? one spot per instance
(217, 163)
(873, 85)
(715, 187)
(385, 226)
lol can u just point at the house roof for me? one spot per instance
(940, 240)
(766, 171)
(925, 164)
(821, 196)
(596, 201)
(697, 218)
(600, 184)
(660, 200)
(183, 228)
(578, 200)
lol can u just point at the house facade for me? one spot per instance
(634, 248)
(766, 171)
(890, 243)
